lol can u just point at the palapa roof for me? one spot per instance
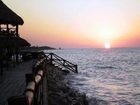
(13, 42)
(7, 16)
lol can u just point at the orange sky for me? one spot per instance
(79, 23)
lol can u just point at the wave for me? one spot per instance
(105, 67)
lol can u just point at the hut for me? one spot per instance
(10, 40)
(8, 17)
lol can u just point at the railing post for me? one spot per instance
(51, 58)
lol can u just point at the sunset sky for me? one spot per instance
(79, 23)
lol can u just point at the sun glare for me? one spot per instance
(107, 45)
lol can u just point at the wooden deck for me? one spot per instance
(12, 83)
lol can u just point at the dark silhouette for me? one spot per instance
(10, 42)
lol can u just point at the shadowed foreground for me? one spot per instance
(13, 83)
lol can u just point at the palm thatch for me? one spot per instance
(22, 42)
(12, 42)
(7, 16)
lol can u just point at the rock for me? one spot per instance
(59, 92)
(65, 72)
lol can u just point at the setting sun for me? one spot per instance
(107, 45)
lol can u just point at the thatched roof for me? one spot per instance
(22, 42)
(7, 16)
(13, 42)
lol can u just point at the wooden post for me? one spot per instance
(17, 44)
(51, 58)
(16, 55)
(17, 30)
(7, 28)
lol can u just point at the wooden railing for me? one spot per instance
(60, 62)
(36, 87)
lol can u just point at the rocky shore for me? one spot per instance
(59, 90)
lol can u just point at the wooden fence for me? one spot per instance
(36, 87)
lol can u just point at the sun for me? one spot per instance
(107, 45)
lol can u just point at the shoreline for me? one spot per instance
(59, 90)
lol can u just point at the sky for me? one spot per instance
(79, 23)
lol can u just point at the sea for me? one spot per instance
(106, 76)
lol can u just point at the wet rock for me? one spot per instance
(65, 72)
(96, 101)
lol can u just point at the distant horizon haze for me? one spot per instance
(80, 23)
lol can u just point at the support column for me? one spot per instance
(17, 27)
(17, 49)
(17, 52)
(7, 28)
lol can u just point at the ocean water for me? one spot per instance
(107, 76)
